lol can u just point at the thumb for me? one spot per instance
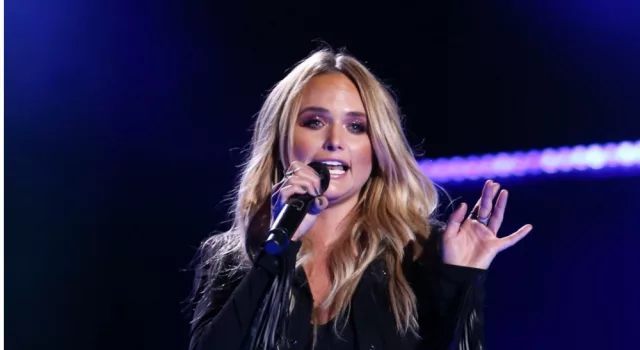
(320, 203)
(455, 221)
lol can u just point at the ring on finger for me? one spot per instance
(476, 216)
(484, 221)
(291, 172)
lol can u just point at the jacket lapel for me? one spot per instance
(370, 309)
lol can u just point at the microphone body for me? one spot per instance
(293, 212)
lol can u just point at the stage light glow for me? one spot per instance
(593, 157)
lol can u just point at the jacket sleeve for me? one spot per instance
(223, 317)
(459, 310)
(451, 301)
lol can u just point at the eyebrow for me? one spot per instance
(326, 111)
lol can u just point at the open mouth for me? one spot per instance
(336, 167)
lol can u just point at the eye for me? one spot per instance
(357, 127)
(313, 123)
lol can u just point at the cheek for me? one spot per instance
(302, 146)
(364, 158)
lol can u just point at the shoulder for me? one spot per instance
(220, 260)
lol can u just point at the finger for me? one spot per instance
(275, 191)
(305, 183)
(304, 170)
(476, 207)
(319, 204)
(515, 237)
(486, 201)
(279, 184)
(293, 168)
(455, 220)
(289, 190)
(308, 173)
(498, 213)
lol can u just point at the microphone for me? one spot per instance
(293, 212)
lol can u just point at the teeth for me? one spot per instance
(336, 171)
(332, 162)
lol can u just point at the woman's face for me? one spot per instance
(331, 127)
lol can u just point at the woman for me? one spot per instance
(373, 268)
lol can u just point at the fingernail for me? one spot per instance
(319, 201)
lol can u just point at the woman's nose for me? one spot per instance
(334, 140)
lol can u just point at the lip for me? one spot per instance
(344, 163)
(339, 176)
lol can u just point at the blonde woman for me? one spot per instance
(372, 267)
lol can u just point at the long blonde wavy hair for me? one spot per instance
(393, 209)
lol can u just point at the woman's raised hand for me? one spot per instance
(473, 240)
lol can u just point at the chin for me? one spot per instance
(338, 196)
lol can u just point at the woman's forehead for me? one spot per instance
(332, 92)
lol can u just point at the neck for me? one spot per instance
(329, 225)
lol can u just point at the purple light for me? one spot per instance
(565, 159)
(579, 158)
(596, 157)
(627, 153)
(550, 161)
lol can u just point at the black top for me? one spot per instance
(449, 306)
(327, 339)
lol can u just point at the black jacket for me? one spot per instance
(450, 306)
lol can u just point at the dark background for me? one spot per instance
(125, 122)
